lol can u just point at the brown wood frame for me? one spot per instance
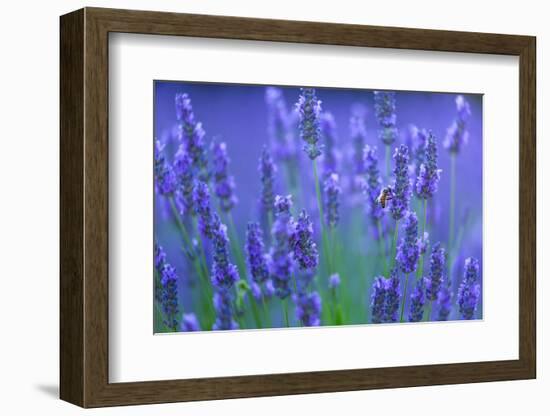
(84, 207)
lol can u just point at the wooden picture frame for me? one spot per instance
(84, 207)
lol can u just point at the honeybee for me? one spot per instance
(385, 195)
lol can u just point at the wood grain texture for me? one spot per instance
(71, 208)
(84, 207)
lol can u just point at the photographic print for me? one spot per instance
(301, 206)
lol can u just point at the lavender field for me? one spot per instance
(297, 207)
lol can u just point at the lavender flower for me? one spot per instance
(384, 107)
(469, 290)
(279, 125)
(416, 140)
(267, 171)
(224, 183)
(184, 175)
(281, 256)
(191, 135)
(224, 273)
(224, 276)
(401, 189)
(373, 183)
(418, 299)
(334, 281)
(189, 323)
(160, 260)
(165, 179)
(223, 305)
(444, 301)
(159, 257)
(257, 260)
(437, 266)
(408, 249)
(423, 243)
(457, 135)
(378, 300)
(330, 155)
(393, 295)
(385, 298)
(308, 308)
(169, 298)
(309, 108)
(201, 202)
(428, 174)
(302, 244)
(331, 194)
(358, 131)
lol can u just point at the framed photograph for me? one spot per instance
(263, 207)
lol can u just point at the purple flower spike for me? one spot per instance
(267, 171)
(457, 134)
(224, 183)
(303, 247)
(168, 289)
(393, 295)
(385, 298)
(191, 135)
(373, 183)
(281, 260)
(416, 140)
(378, 300)
(428, 174)
(224, 273)
(469, 290)
(444, 301)
(331, 195)
(201, 202)
(418, 299)
(423, 243)
(257, 260)
(401, 189)
(308, 308)
(334, 281)
(279, 125)
(160, 256)
(184, 174)
(358, 132)
(408, 250)
(165, 179)
(189, 323)
(223, 305)
(331, 157)
(435, 277)
(309, 108)
(384, 107)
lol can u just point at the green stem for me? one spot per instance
(429, 311)
(266, 312)
(420, 269)
(394, 243)
(326, 252)
(381, 247)
(236, 245)
(285, 312)
(200, 269)
(404, 297)
(451, 215)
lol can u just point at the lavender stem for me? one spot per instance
(420, 269)
(404, 296)
(382, 247)
(326, 252)
(450, 244)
